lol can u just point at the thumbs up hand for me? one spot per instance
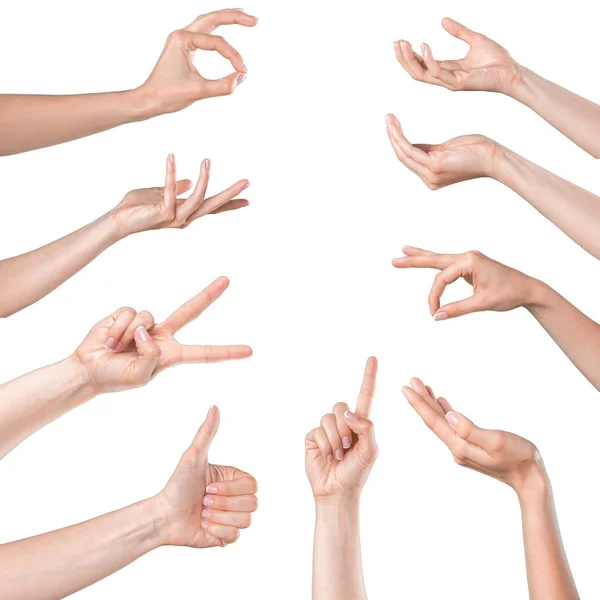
(206, 505)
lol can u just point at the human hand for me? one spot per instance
(495, 286)
(126, 350)
(486, 67)
(499, 454)
(160, 208)
(342, 451)
(206, 505)
(175, 83)
(460, 159)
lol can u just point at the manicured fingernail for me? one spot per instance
(423, 48)
(204, 525)
(142, 334)
(240, 78)
(110, 342)
(172, 159)
(245, 69)
(119, 347)
(405, 392)
(207, 164)
(453, 419)
(208, 501)
(411, 383)
(211, 489)
(346, 442)
(350, 416)
(205, 513)
(330, 458)
(388, 120)
(440, 316)
(408, 247)
(339, 454)
(246, 186)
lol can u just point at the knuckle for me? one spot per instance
(340, 407)
(127, 310)
(176, 36)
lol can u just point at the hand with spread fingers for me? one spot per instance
(127, 349)
(486, 67)
(339, 457)
(206, 505)
(160, 207)
(495, 286)
(516, 462)
(175, 83)
(461, 159)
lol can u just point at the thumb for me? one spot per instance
(458, 31)
(223, 86)
(363, 428)
(148, 355)
(458, 309)
(468, 431)
(207, 431)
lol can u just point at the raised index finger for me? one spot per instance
(193, 308)
(367, 389)
(209, 22)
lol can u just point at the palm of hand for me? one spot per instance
(144, 209)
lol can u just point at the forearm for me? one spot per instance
(30, 402)
(54, 565)
(574, 116)
(337, 565)
(29, 277)
(548, 573)
(576, 334)
(571, 208)
(28, 122)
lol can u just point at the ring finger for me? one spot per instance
(241, 520)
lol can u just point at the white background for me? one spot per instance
(312, 290)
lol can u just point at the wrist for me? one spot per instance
(338, 503)
(144, 104)
(79, 389)
(159, 519)
(532, 485)
(539, 297)
(522, 85)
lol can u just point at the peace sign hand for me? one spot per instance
(126, 350)
(342, 451)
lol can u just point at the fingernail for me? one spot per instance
(208, 501)
(205, 514)
(119, 347)
(405, 392)
(423, 48)
(453, 419)
(346, 442)
(245, 69)
(411, 383)
(142, 334)
(204, 525)
(110, 342)
(339, 454)
(330, 458)
(207, 164)
(388, 120)
(351, 416)
(172, 158)
(440, 316)
(211, 489)
(240, 79)
(408, 247)
(246, 186)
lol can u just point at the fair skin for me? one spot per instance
(340, 454)
(123, 351)
(499, 288)
(202, 506)
(517, 463)
(489, 67)
(37, 273)
(28, 122)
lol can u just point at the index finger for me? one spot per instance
(209, 22)
(203, 41)
(367, 389)
(193, 308)
(426, 261)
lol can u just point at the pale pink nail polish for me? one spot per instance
(208, 501)
(110, 342)
(440, 316)
(330, 458)
(405, 392)
(204, 525)
(119, 347)
(205, 513)
(351, 416)
(211, 490)
(172, 158)
(453, 419)
(388, 120)
(408, 247)
(240, 79)
(339, 454)
(346, 442)
(411, 383)
(207, 164)
(142, 334)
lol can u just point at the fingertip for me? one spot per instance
(440, 316)
(222, 281)
(453, 419)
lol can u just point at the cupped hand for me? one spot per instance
(342, 451)
(495, 286)
(460, 159)
(486, 67)
(175, 83)
(160, 207)
(206, 505)
(498, 454)
(126, 350)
